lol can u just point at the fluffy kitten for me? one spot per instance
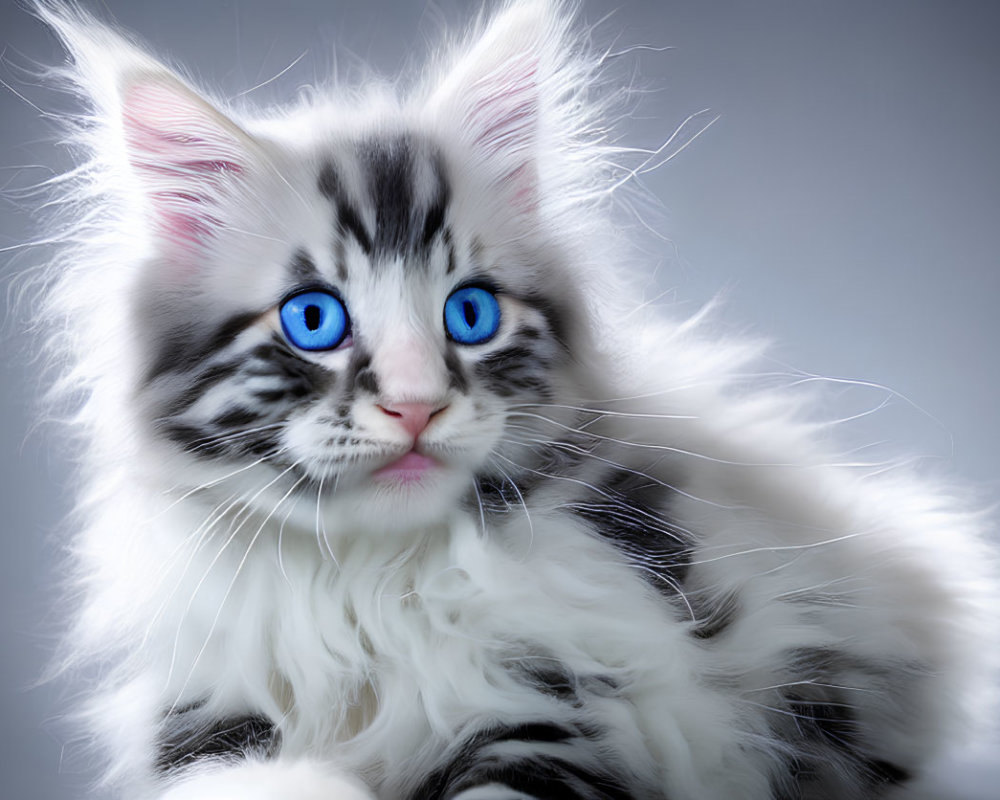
(387, 492)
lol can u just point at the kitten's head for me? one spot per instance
(358, 300)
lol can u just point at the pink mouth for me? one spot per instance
(411, 467)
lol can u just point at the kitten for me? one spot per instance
(386, 495)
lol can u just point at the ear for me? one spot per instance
(184, 153)
(503, 91)
(176, 148)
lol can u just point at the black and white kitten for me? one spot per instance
(390, 491)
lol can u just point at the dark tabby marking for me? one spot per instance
(340, 259)
(207, 378)
(367, 381)
(361, 374)
(237, 417)
(303, 269)
(500, 495)
(188, 736)
(348, 218)
(450, 244)
(457, 379)
(715, 615)
(630, 511)
(819, 720)
(549, 676)
(514, 370)
(181, 349)
(569, 769)
(562, 456)
(232, 431)
(434, 220)
(548, 461)
(556, 316)
(389, 164)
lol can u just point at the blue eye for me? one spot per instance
(471, 315)
(314, 320)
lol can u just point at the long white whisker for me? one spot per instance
(229, 588)
(200, 535)
(603, 412)
(273, 77)
(217, 481)
(321, 524)
(281, 534)
(235, 531)
(778, 548)
(482, 511)
(232, 436)
(651, 163)
(657, 447)
(672, 487)
(527, 515)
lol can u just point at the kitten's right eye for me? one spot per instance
(471, 315)
(314, 320)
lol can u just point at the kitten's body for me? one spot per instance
(622, 575)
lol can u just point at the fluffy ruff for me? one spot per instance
(628, 575)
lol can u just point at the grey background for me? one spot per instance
(847, 203)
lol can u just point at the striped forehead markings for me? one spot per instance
(348, 218)
(408, 216)
(389, 165)
(438, 207)
(303, 269)
(449, 243)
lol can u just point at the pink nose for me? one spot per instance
(414, 417)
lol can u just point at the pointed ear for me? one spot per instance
(176, 148)
(501, 90)
(184, 153)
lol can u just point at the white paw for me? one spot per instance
(267, 780)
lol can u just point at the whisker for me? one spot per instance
(615, 464)
(281, 534)
(784, 548)
(806, 682)
(217, 481)
(604, 412)
(527, 515)
(232, 436)
(200, 534)
(273, 77)
(482, 511)
(235, 531)
(657, 447)
(232, 583)
(321, 524)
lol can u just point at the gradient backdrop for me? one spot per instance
(847, 203)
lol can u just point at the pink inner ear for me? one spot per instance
(182, 155)
(505, 122)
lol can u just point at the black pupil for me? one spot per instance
(313, 317)
(469, 310)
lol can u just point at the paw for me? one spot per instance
(267, 780)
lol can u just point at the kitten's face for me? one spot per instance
(355, 304)
(368, 331)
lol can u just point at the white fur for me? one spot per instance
(378, 628)
(256, 781)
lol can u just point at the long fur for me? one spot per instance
(637, 574)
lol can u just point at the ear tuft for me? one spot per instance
(500, 91)
(182, 151)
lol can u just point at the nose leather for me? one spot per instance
(414, 417)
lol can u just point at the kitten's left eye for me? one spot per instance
(314, 320)
(471, 315)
